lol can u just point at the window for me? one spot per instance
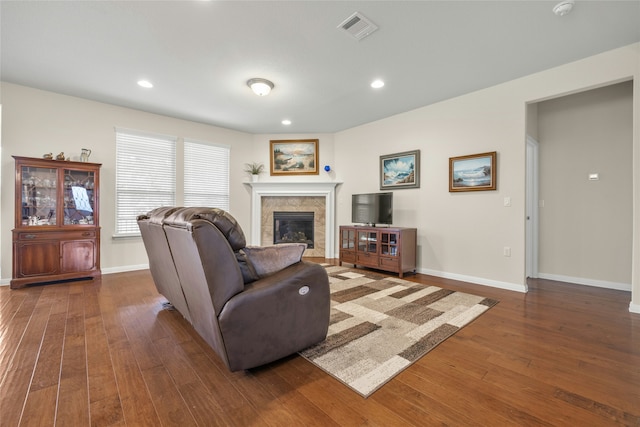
(145, 176)
(206, 175)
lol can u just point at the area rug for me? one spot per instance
(381, 324)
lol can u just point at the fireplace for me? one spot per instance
(319, 197)
(293, 227)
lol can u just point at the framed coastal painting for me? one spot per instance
(400, 170)
(294, 157)
(476, 172)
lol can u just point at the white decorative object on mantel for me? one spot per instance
(295, 189)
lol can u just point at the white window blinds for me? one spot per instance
(145, 176)
(206, 175)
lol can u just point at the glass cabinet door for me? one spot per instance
(39, 186)
(79, 196)
(389, 244)
(348, 239)
(368, 241)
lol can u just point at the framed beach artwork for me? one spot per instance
(294, 157)
(476, 172)
(400, 170)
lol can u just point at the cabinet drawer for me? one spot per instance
(390, 263)
(57, 235)
(366, 259)
(348, 256)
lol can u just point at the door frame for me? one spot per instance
(532, 205)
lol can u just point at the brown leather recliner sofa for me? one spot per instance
(252, 305)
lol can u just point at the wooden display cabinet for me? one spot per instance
(390, 249)
(57, 233)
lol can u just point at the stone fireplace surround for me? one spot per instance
(298, 191)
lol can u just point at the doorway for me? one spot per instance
(579, 187)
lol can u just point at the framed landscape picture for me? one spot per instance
(476, 172)
(401, 170)
(294, 157)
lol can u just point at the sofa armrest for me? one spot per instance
(267, 260)
(276, 316)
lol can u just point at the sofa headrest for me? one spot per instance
(227, 224)
(157, 215)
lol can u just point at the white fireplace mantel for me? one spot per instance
(295, 189)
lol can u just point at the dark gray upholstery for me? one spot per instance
(248, 323)
(161, 264)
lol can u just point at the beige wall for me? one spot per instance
(586, 226)
(463, 235)
(37, 122)
(460, 235)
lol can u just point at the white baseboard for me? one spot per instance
(124, 268)
(476, 280)
(587, 282)
(634, 308)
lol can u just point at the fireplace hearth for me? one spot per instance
(293, 227)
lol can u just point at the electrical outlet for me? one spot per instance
(507, 251)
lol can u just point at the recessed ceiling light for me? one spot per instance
(377, 84)
(145, 84)
(286, 122)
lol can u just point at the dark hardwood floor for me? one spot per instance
(106, 353)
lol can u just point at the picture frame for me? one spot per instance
(294, 157)
(400, 170)
(475, 172)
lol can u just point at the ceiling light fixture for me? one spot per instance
(260, 87)
(563, 7)
(377, 84)
(286, 122)
(145, 84)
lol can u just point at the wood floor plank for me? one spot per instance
(107, 353)
(226, 388)
(10, 303)
(104, 399)
(300, 407)
(333, 391)
(475, 397)
(307, 379)
(20, 369)
(168, 402)
(562, 368)
(73, 392)
(137, 406)
(39, 409)
(47, 370)
(14, 329)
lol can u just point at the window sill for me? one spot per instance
(126, 236)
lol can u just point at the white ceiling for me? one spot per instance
(199, 54)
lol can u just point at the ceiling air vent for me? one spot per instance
(358, 26)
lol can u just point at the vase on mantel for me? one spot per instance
(254, 177)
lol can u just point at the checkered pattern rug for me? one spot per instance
(381, 324)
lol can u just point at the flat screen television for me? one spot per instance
(372, 208)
